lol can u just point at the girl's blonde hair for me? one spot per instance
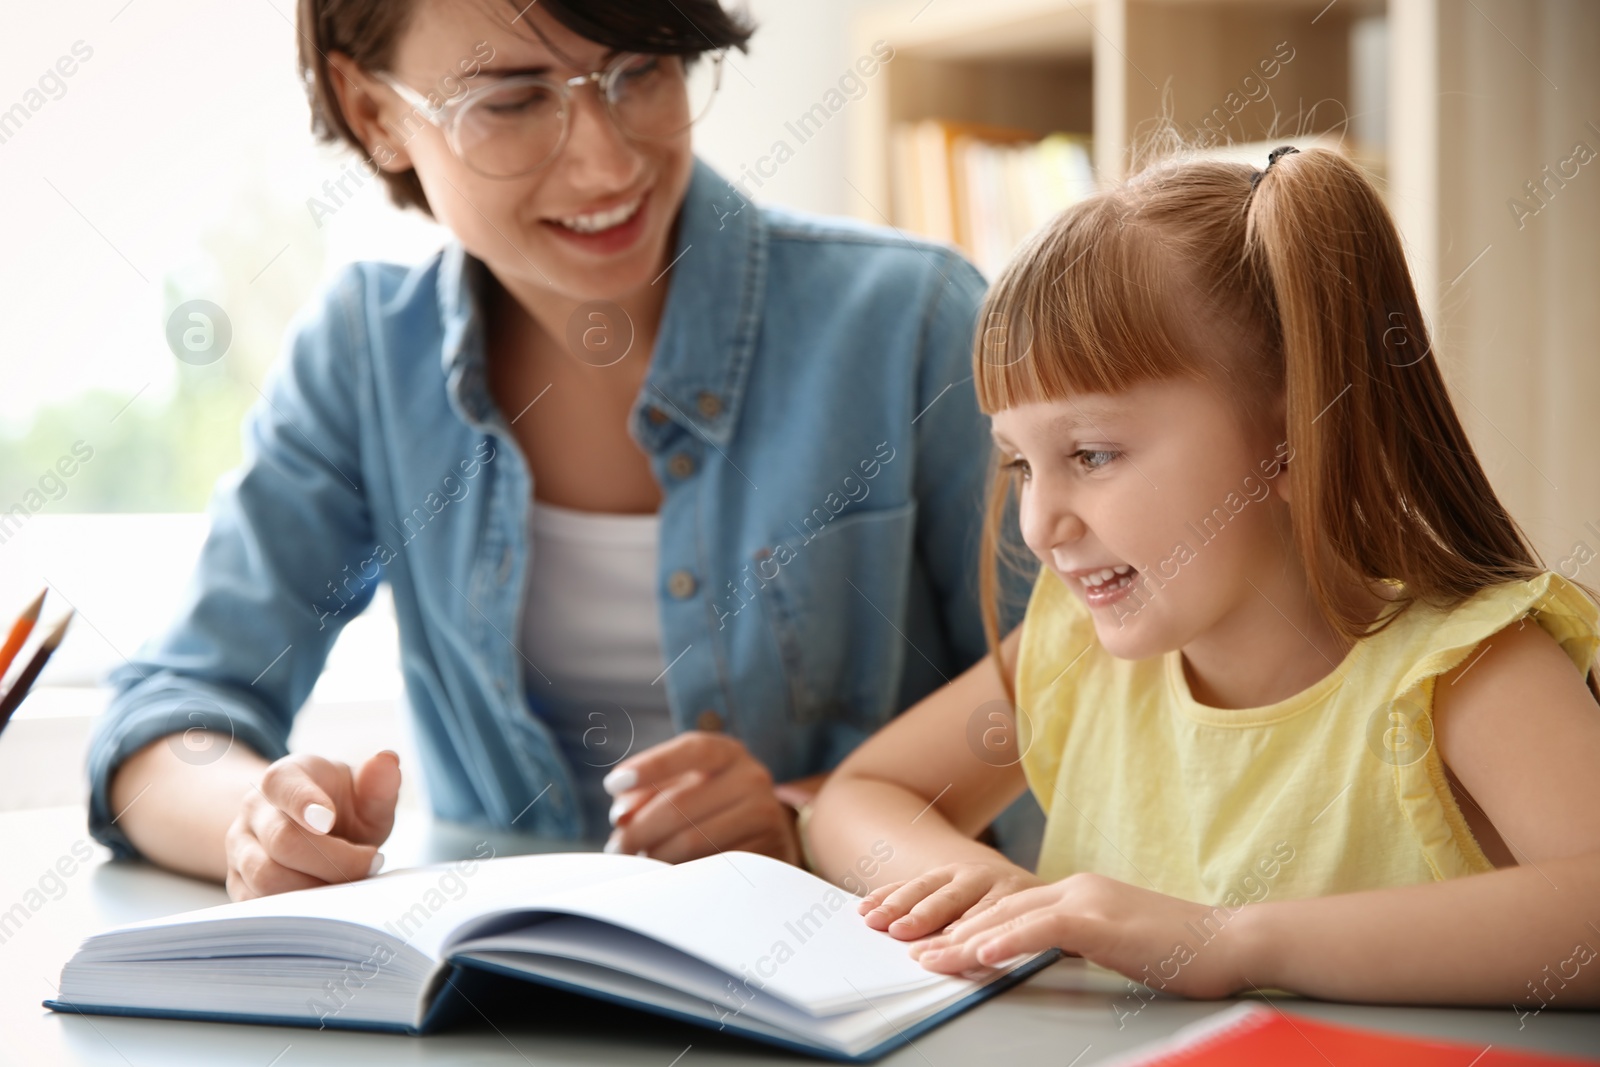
(1287, 286)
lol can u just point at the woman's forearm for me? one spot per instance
(1524, 936)
(177, 813)
(864, 832)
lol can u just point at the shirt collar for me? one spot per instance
(461, 281)
(708, 327)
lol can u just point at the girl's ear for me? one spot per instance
(1283, 453)
(363, 109)
(1280, 484)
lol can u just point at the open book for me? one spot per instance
(733, 941)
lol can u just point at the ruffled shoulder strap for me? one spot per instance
(1432, 642)
(1445, 639)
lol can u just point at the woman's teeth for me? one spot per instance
(1100, 577)
(602, 220)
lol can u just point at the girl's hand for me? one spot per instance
(1170, 944)
(695, 795)
(311, 822)
(927, 904)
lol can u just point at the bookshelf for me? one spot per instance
(1103, 70)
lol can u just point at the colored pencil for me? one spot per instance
(41, 655)
(19, 632)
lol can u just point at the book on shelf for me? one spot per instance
(984, 188)
(734, 941)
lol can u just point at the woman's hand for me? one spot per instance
(930, 902)
(311, 822)
(698, 794)
(1189, 949)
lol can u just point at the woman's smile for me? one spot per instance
(606, 232)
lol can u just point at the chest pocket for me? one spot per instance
(836, 606)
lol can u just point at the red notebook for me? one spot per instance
(1253, 1034)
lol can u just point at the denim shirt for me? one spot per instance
(808, 413)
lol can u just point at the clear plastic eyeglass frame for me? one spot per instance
(606, 82)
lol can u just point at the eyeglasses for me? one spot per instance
(518, 124)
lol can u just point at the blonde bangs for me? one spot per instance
(1090, 305)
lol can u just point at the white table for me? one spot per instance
(1062, 1016)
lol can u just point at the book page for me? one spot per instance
(538, 950)
(774, 927)
(418, 906)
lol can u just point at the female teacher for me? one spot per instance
(676, 495)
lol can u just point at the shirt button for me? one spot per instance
(710, 405)
(656, 416)
(681, 465)
(681, 585)
(709, 721)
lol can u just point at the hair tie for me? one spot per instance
(1272, 157)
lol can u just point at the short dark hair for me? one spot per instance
(369, 30)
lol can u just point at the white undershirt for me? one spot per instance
(591, 626)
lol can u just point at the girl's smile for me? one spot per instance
(1102, 586)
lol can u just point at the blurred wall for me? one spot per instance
(798, 54)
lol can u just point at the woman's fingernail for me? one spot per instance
(619, 808)
(377, 864)
(620, 780)
(614, 842)
(643, 852)
(319, 818)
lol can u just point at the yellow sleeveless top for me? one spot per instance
(1336, 788)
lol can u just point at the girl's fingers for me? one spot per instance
(1028, 933)
(999, 911)
(935, 911)
(1042, 929)
(878, 896)
(900, 902)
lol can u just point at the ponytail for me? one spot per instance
(1384, 481)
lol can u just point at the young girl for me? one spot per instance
(1302, 707)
